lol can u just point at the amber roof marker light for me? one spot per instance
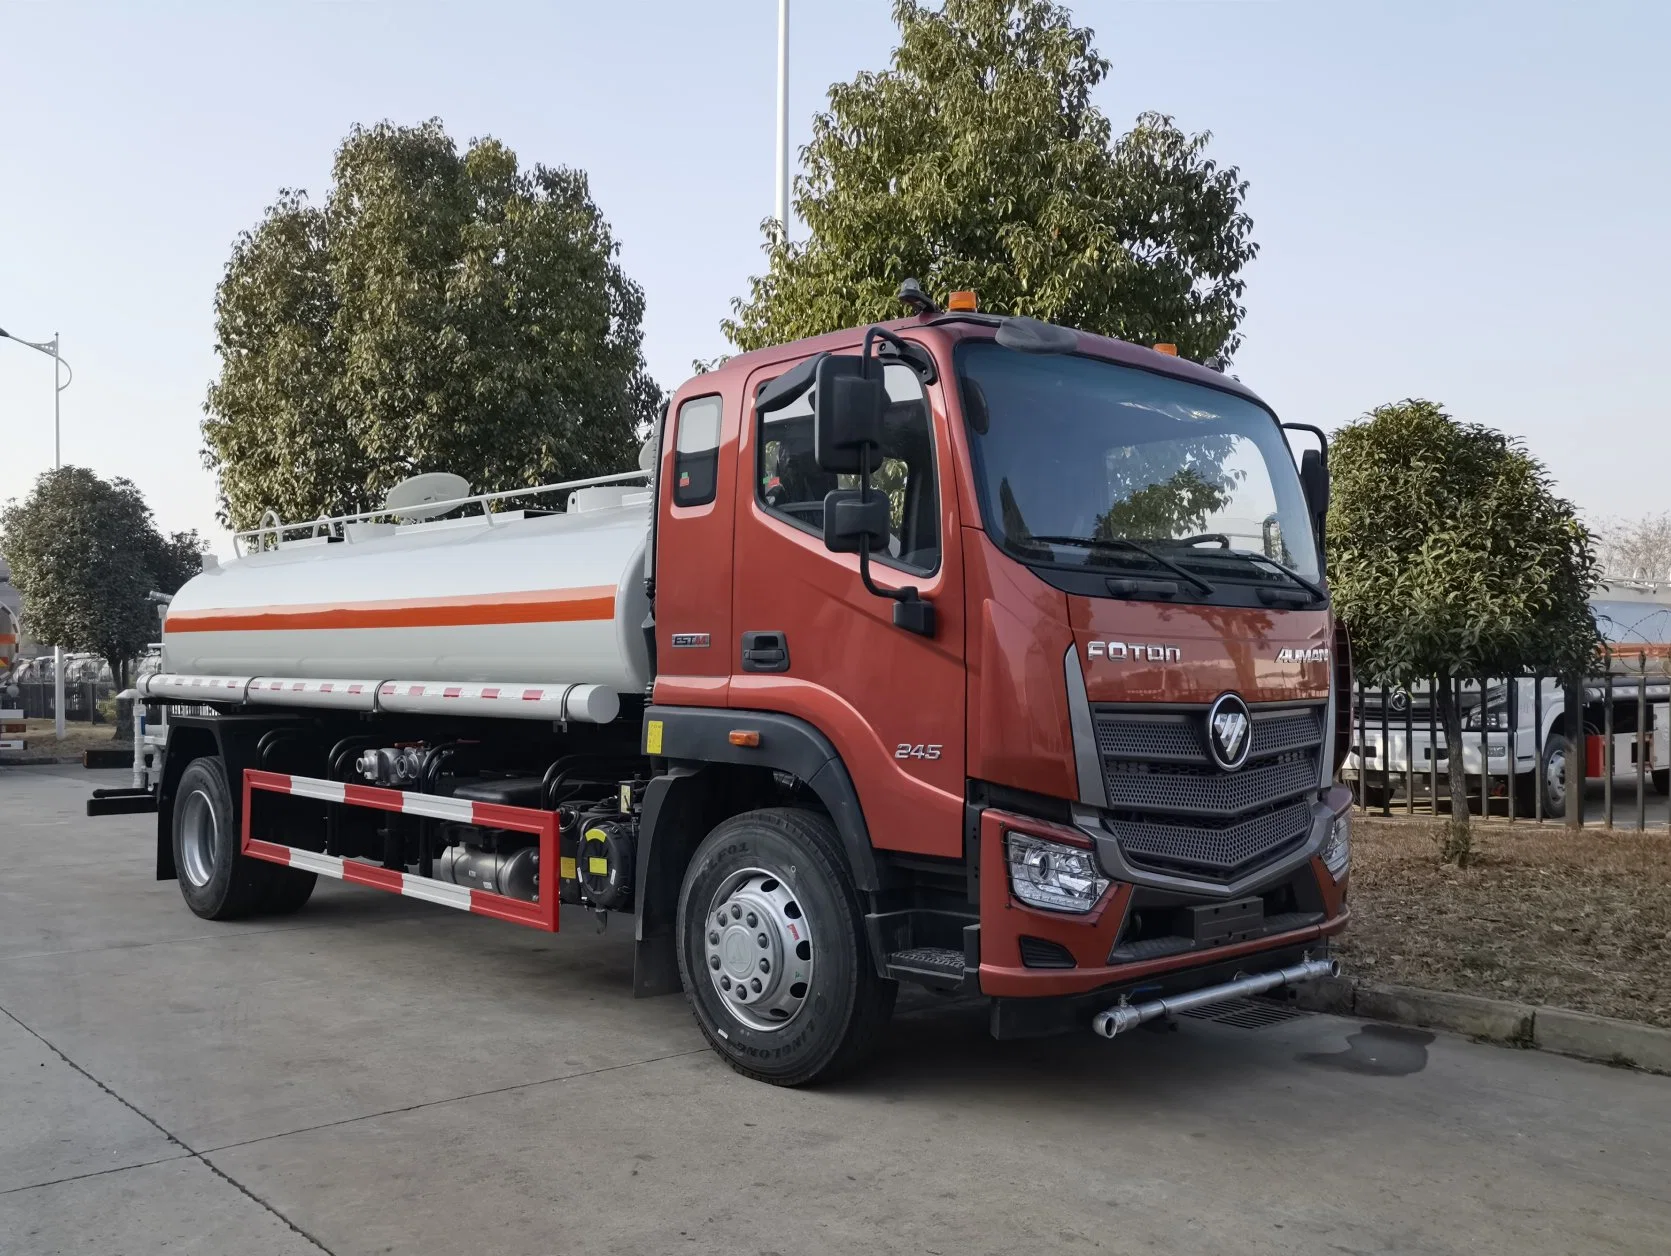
(964, 301)
(1170, 350)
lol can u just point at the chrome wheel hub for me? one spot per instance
(1556, 775)
(758, 950)
(198, 833)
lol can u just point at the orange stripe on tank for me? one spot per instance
(538, 606)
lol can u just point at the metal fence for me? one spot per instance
(81, 700)
(1514, 745)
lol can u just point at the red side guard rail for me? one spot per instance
(539, 915)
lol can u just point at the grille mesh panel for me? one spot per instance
(1224, 849)
(1289, 730)
(1154, 787)
(1174, 808)
(1151, 737)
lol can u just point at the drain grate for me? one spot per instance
(1247, 1013)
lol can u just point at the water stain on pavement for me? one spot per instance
(1377, 1051)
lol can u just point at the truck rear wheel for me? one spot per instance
(772, 952)
(217, 880)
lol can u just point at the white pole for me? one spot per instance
(57, 465)
(783, 116)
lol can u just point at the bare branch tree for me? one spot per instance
(1635, 549)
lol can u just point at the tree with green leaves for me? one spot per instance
(439, 312)
(1171, 507)
(977, 160)
(85, 553)
(1450, 556)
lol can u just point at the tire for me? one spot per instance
(1553, 765)
(784, 870)
(1662, 781)
(216, 880)
(288, 891)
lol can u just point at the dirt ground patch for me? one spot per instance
(77, 737)
(1542, 915)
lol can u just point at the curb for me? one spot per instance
(37, 761)
(1622, 1043)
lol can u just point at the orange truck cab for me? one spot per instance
(983, 655)
(1070, 705)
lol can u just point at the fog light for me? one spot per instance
(1337, 848)
(1053, 875)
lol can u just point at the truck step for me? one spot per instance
(121, 802)
(938, 966)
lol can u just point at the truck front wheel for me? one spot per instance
(1552, 777)
(217, 880)
(772, 951)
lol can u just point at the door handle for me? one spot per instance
(765, 652)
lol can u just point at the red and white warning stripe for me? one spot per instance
(593, 704)
(345, 695)
(589, 703)
(194, 688)
(426, 888)
(543, 824)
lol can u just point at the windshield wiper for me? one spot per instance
(1120, 542)
(1253, 556)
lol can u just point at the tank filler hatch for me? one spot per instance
(414, 499)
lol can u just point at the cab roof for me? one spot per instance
(953, 326)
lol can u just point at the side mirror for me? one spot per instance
(847, 407)
(1314, 482)
(850, 521)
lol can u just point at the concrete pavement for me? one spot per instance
(378, 1075)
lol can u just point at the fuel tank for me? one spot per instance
(524, 596)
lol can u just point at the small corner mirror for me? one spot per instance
(849, 522)
(1314, 482)
(847, 407)
(787, 387)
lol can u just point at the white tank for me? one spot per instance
(556, 599)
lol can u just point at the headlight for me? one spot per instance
(1337, 848)
(1053, 875)
(1493, 719)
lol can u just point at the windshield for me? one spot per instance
(1070, 448)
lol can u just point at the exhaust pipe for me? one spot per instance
(1123, 1016)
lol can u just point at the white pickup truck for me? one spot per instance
(1398, 749)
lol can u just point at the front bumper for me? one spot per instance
(1006, 924)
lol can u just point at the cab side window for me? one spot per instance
(790, 484)
(696, 451)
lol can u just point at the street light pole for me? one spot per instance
(783, 116)
(59, 383)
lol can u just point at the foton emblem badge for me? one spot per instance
(1132, 652)
(1229, 732)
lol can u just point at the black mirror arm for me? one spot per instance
(874, 333)
(912, 611)
(1313, 429)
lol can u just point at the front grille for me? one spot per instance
(1174, 810)
(1374, 705)
(1208, 791)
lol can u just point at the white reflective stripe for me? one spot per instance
(435, 891)
(309, 861)
(460, 810)
(313, 787)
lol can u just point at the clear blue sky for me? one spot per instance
(1469, 202)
